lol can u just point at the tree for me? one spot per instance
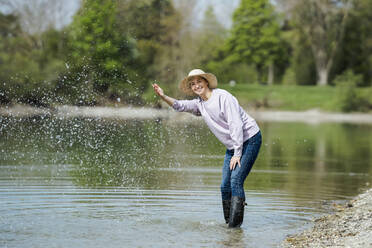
(38, 16)
(255, 36)
(101, 58)
(356, 50)
(209, 37)
(323, 24)
(154, 24)
(301, 67)
(28, 71)
(9, 26)
(32, 54)
(198, 44)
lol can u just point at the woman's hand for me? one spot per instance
(234, 160)
(159, 91)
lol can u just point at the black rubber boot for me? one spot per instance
(226, 209)
(236, 211)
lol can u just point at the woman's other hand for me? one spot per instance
(159, 91)
(234, 160)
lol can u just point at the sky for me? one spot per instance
(223, 10)
(73, 5)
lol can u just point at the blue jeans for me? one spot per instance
(233, 180)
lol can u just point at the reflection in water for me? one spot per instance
(234, 238)
(152, 183)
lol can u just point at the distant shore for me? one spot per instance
(350, 226)
(143, 113)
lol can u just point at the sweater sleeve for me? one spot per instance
(231, 110)
(187, 106)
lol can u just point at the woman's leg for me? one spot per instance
(239, 174)
(250, 151)
(226, 186)
(226, 177)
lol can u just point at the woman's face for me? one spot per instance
(199, 85)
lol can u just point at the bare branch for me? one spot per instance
(37, 16)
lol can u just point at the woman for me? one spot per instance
(232, 126)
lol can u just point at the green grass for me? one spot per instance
(290, 97)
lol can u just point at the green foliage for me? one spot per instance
(100, 57)
(349, 99)
(356, 51)
(321, 24)
(210, 36)
(289, 77)
(9, 25)
(114, 50)
(29, 64)
(199, 45)
(255, 35)
(240, 73)
(286, 97)
(96, 60)
(301, 66)
(348, 77)
(154, 24)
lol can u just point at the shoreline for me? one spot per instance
(148, 113)
(349, 226)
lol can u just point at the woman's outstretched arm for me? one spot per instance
(178, 105)
(159, 91)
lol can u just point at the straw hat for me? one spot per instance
(185, 85)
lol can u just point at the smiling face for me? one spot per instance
(199, 85)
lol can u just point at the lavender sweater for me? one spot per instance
(224, 116)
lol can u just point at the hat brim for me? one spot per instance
(185, 86)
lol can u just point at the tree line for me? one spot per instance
(114, 49)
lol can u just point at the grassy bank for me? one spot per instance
(295, 98)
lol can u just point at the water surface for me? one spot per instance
(101, 183)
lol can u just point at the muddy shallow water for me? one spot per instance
(95, 183)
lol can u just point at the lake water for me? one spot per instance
(100, 183)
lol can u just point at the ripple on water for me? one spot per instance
(42, 204)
